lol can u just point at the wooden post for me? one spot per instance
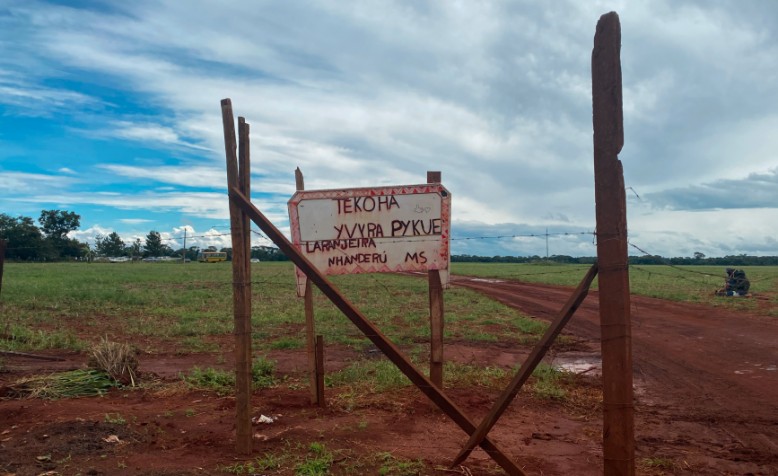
(436, 313)
(320, 370)
(241, 292)
(2, 263)
(244, 175)
(317, 397)
(613, 279)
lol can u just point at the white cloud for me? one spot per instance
(22, 183)
(135, 221)
(495, 95)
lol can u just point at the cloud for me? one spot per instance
(135, 221)
(21, 183)
(147, 132)
(494, 95)
(753, 192)
(27, 99)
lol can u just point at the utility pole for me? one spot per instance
(546, 242)
(184, 245)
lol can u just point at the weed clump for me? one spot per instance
(118, 360)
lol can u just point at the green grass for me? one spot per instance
(184, 307)
(187, 308)
(677, 283)
(317, 462)
(223, 381)
(368, 376)
(549, 383)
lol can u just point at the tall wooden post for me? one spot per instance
(317, 397)
(241, 290)
(611, 213)
(436, 313)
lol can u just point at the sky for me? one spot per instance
(112, 110)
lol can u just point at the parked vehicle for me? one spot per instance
(211, 256)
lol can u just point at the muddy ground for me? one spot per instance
(706, 403)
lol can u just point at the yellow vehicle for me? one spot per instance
(211, 256)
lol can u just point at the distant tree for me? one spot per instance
(267, 253)
(192, 252)
(698, 255)
(24, 240)
(154, 245)
(111, 245)
(58, 223)
(135, 249)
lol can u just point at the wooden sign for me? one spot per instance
(372, 230)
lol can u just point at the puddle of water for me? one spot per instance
(590, 365)
(485, 280)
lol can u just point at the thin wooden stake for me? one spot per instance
(320, 371)
(533, 359)
(370, 331)
(436, 327)
(241, 293)
(310, 323)
(436, 312)
(611, 214)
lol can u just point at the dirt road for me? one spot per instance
(705, 379)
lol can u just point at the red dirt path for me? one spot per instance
(706, 390)
(706, 379)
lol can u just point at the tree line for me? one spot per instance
(49, 241)
(45, 239)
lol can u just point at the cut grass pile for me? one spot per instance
(75, 383)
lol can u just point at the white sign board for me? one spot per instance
(373, 230)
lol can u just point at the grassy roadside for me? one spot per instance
(188, 308)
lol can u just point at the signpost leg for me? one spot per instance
(317, 396)
(319, 377)
(436, 328)
(436, 312)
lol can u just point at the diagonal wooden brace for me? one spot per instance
(371, 332)
(529, 365)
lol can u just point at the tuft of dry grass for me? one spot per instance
(118, 360)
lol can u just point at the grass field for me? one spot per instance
(675, 283)
(176, 306)
(182, 307)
